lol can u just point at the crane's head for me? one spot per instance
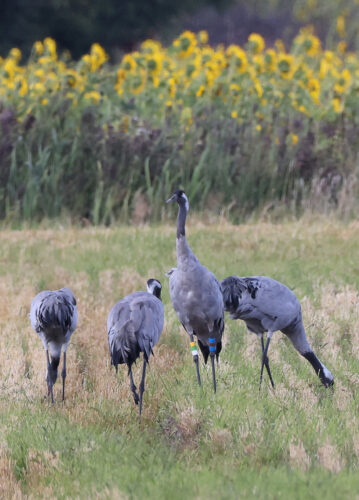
(170, 272)
(154, 287)
(326, 376)
(180, 197)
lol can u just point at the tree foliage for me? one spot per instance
(75, 24)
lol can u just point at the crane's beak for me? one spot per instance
(173, 198)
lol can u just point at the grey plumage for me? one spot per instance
(134, 325)
(53, 316)
(266, 305)
(195, 294)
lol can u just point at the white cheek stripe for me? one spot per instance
(327, 373)
(187, 202)
(150, 288)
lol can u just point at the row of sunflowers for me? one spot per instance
(242, 81)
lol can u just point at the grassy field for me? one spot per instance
(301, 441)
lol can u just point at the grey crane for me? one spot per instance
(196, 295)
(53, 316)
(134, 325)
(266, 305)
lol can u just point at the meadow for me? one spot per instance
(301, 441)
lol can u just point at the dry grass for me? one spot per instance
(300, 424)
(9, 487)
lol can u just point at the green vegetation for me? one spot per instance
(300, 442)
(266, 127)
(123, 25)
(245, 131)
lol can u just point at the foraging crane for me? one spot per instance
(266, 305)
(196, 295)
(53, 316)
(134, 325)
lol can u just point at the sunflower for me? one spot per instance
(98, 56)
(270, 60)
(234, 89)
(50, 47)
(200, 91)
(313, 87)
(294, 139)
(151, 46)
(203, 37)
(93, 96)
(24, 88)
(343, 82)
(154, 62)
(307, 42)
(238, 58)
(138, 83)
(185, 44)
(337, 105)
(38, 48)
(129, 63)
(258, 87)
(285, 65)
(256, 43)
(15, 54)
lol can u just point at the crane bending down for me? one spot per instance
(196, 295)
(134, 325)
(266, 305)
(53, 316)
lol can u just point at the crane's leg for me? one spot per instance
(142, 386)
(195, 357)
(48, 378)
(132, 385)
(212, 354)
(63, 375)
(265, 362)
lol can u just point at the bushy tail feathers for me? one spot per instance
(123, 344)
(232, 289)
(55, 311)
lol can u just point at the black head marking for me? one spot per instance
(154, 286)
(180, 197)
(323, 373)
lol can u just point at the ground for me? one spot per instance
(297, 442)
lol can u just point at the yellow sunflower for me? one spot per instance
(256, 43)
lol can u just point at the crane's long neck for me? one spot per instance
(185, 256)
(181, 220)
(297, 335)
